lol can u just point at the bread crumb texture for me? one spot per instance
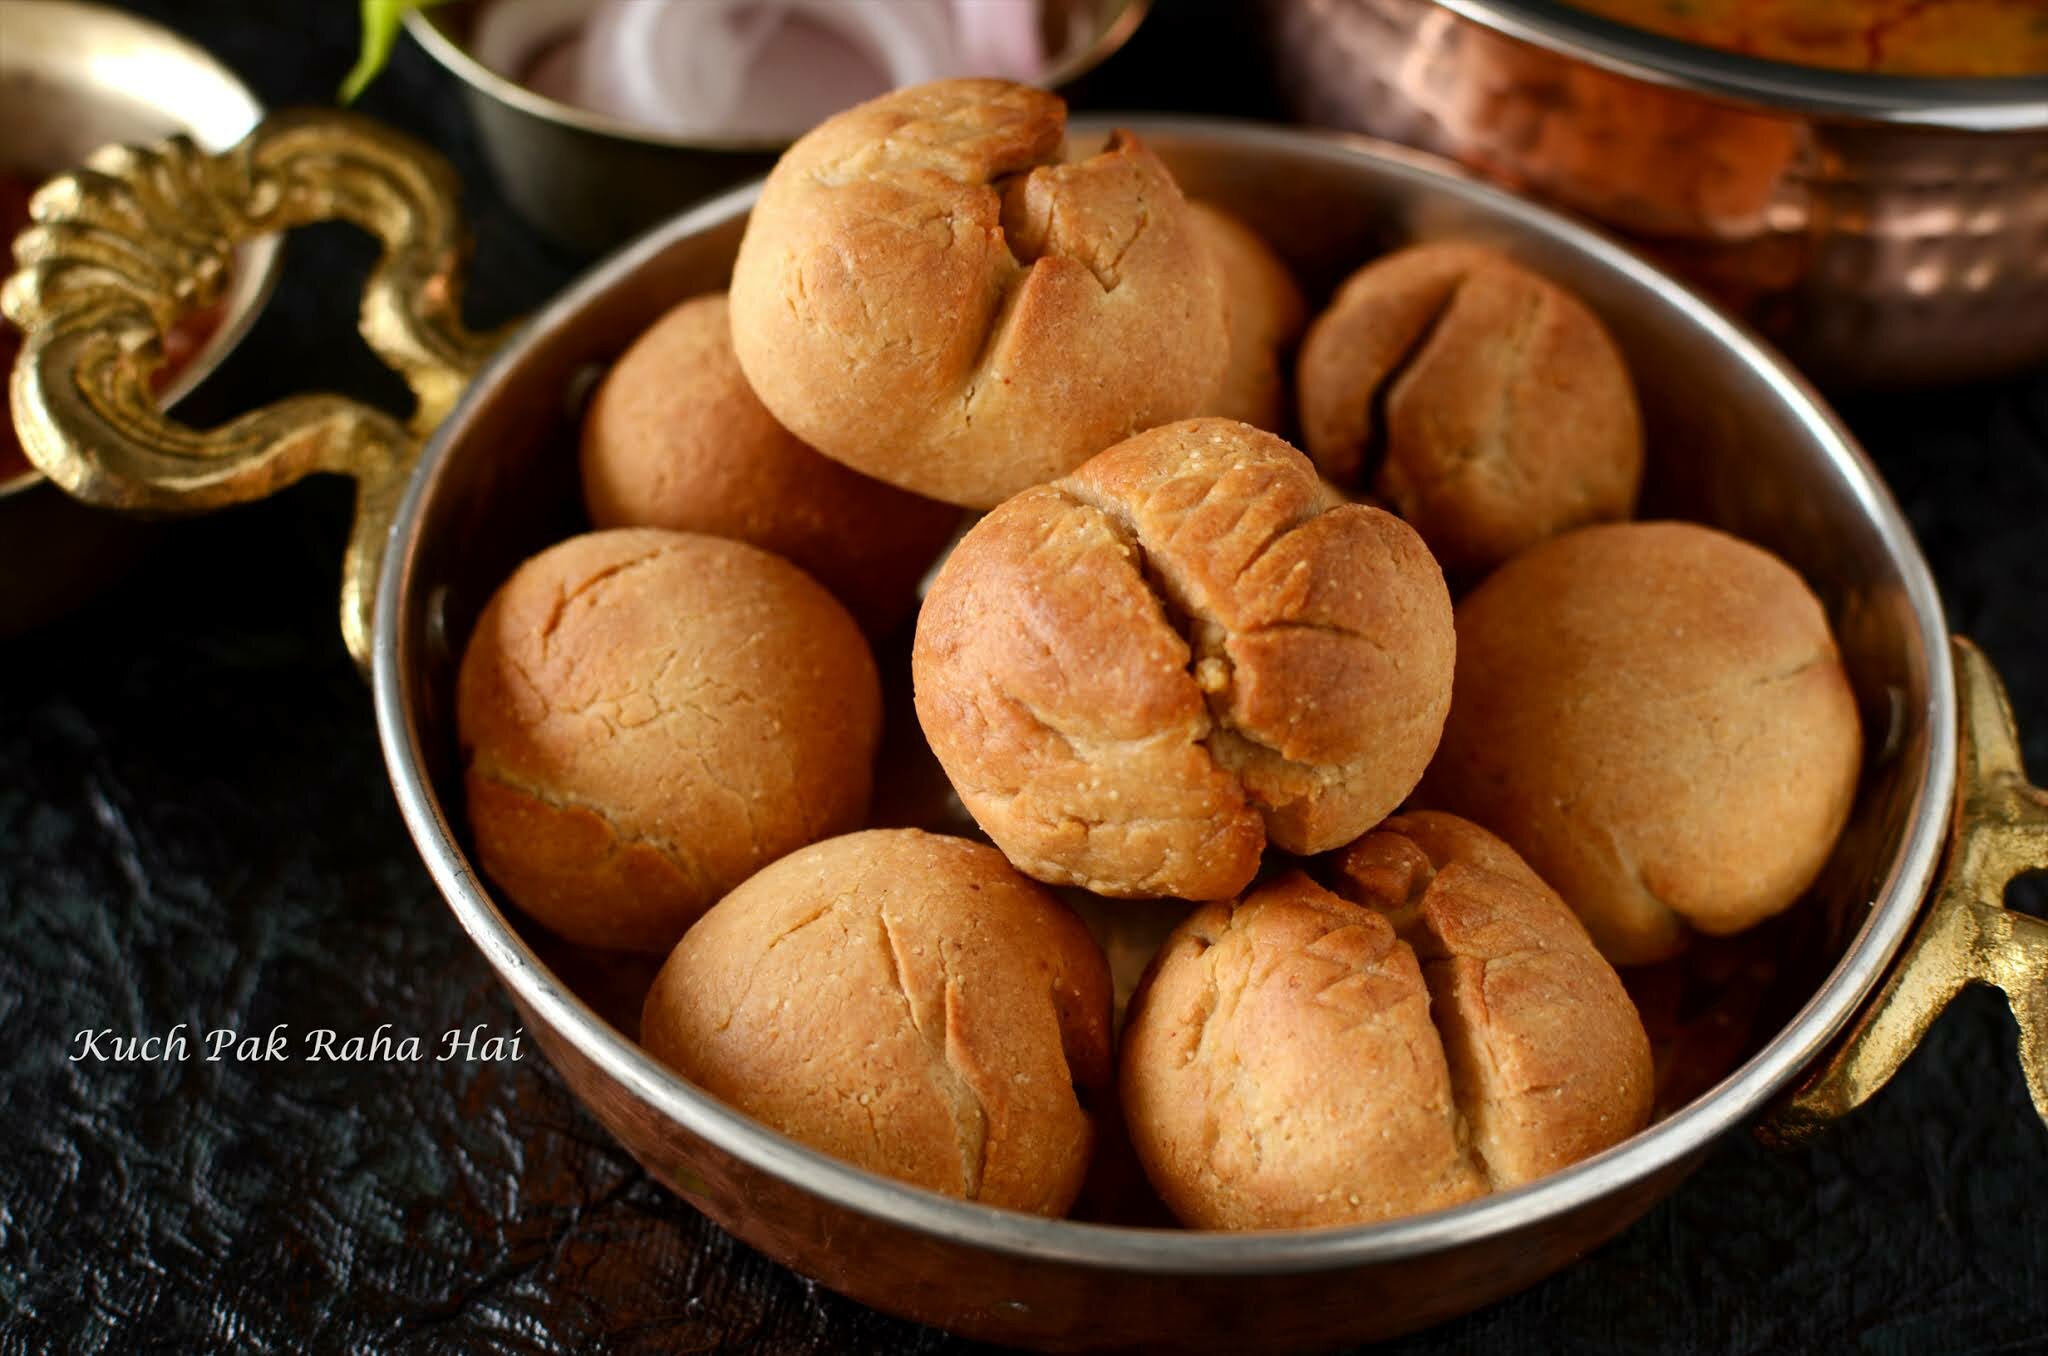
(1140, 674)
(675, 438)
(646, 717)
(928, 292)
(1657, 717)
(1433, 1026)
(906, 1002)
(1486, 404)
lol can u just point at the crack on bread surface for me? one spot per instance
(963, 1101)
(671, 851)
(1188, 634)
(1199, 611)
(1035, 738)
(1375, 331)
(1356, 466)
(1447, 1021)
(904, 1000)
(920, 271)
(588, 588)
(1213, 542)
(1231, 1124)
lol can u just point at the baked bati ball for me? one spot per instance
(1655, 715)
(930, 294)
(676, 438)
(1499, 409)
(1437, 1027)
(1267, 313)
(1140, 674)
(903, 1001)
(647, 717)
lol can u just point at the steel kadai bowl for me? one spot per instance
(1738, 440)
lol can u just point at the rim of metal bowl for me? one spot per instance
(263, 256)
(1982, 104)
(1124, 1248)
(430, 30)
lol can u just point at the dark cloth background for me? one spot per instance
(195, 827)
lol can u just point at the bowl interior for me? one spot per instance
(76, 77)
(1735, 439)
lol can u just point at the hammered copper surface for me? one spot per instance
(1062, 1304)
(1872, 252)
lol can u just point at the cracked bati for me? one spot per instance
(906, 1002)
(1437, 1027)
(929, 293)
(676, 438)
(1267, 313)
(1140, 674)
(1487, 405)
(647, 717)
(1656, 716)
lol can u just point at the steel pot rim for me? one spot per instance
(1733, 1102)
(1958, 103)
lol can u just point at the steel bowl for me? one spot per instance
(1737, 440)
(591, 181)
(74, 77)
(1883, 230)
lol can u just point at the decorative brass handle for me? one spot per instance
(1967, 936)
(119, 250)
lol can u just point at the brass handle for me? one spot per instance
(1967, 935)
(122, 248)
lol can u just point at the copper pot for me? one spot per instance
(1881, 229)
(1740, 441)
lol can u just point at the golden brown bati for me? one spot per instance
(927, 293)
(1138, 675)
(1447, 1029)
(1267, 313)
(1498, 408)
(906, 1002)
(1655, 715)
(646, 717)
(676, 438)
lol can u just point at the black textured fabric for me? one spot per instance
(195, 827)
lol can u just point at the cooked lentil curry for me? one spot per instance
(1895, 37)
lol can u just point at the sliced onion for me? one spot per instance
(768, 68)
(711, 67)
(999, 37)
(509, 34)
